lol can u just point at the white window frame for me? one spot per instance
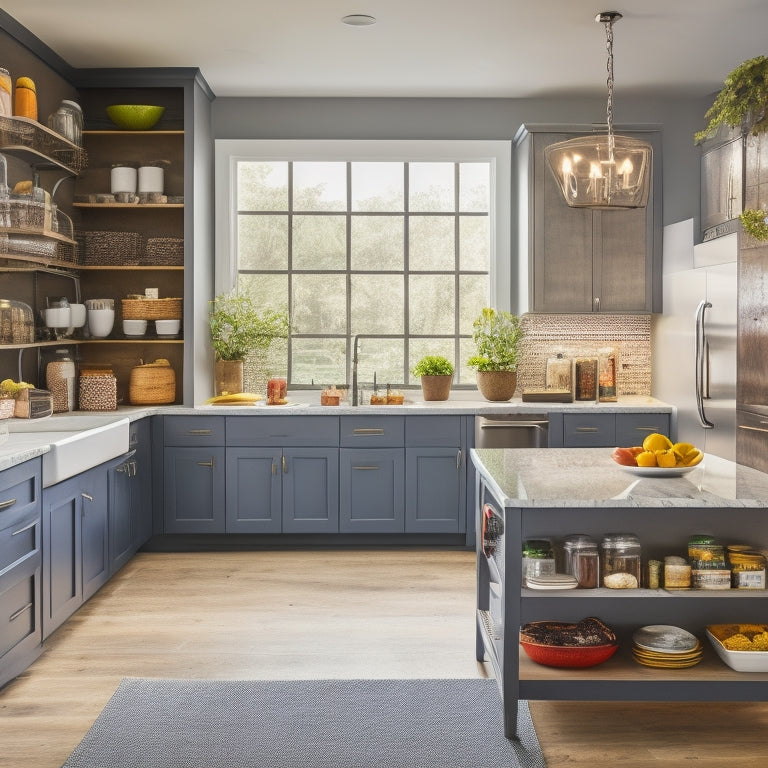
(228, 152)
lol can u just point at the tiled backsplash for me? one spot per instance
(546, 335)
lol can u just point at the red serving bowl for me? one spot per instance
(568, 655)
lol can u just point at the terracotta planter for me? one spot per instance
(436, 387)
(228, 376)
(497, 386)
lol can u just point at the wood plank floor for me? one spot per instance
(324, 614)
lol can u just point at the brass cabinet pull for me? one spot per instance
(25, 528)
(648, 429)
(6, 504)
(200, 432)
(210, 463)
(587, 429)
(18, 613)
(368, 431)
(364, 468)
(285, 466)
(274, 469)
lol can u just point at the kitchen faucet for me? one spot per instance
(355, 357)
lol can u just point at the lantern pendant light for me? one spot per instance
(603, 171)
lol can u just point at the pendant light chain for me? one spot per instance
(609, 110)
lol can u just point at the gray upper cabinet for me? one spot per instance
(577, 259)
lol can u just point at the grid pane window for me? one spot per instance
(397, 253)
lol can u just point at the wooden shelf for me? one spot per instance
(133, 340)
(131, 268)
(129, 206)
(36, 344)
(39, 261)
(121, 132)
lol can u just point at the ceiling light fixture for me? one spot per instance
(603, 171)
(358, 20)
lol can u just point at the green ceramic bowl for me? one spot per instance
(134, 117)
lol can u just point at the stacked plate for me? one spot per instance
(666, 647)
(554, 581)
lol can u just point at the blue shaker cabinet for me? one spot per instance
(20, 568)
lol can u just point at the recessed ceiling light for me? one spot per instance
(358, 20)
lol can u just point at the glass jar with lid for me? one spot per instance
(538, 558)
(748, 568)
(620, 553)
(67, 121)
(581, 560)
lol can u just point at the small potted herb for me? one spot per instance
(238, 329)
(436, 374)
(497, 336)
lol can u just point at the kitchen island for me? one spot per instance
(555, 493)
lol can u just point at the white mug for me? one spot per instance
(100, 322)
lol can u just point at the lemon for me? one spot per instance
(657, 442)
(693, 457)
(666, 458)
(646, 459)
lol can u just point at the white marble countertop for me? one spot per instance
(29, 438)
(588, 477)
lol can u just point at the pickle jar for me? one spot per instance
(620, 553)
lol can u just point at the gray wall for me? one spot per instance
(358, 118)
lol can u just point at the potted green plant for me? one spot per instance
(238, 329)
(436, 374)
(497, 336)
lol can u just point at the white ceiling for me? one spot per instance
(424, 48)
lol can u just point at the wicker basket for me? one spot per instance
(164, 251)
(151, 309)
(111, 249)
(152, 384)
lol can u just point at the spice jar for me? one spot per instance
(538, 558)
(677, 573)
(708, 565)
(620, 554)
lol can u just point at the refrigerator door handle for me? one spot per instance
(701, 361)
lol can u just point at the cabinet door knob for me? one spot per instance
(597, 303)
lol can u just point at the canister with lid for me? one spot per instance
(748, 568)
(67, 120)
(620, 553)
(60, 380)
(581, 560)
(538, 558)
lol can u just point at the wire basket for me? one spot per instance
(152, 309)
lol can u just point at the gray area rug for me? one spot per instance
(306, 724)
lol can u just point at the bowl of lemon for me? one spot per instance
(658, 456)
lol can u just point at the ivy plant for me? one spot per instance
(755, 223)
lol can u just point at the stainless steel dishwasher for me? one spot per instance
(512, 430)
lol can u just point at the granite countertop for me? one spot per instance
(588, 477)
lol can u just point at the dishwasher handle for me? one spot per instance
(514, 424)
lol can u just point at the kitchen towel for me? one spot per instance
(306, 724)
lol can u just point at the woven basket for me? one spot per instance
(151, 309)
(111, 249)
(152, 385)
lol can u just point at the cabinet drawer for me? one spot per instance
(20, 494)
(193, 430)
(18, 612)
(19, 541)
(372, 431)
(591, 430)
(633, 428)
(273, 431)
(433, 430)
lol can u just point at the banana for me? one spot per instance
(234, 398)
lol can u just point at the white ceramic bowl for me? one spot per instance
(77, 315)
(134, 327)
(58, 317)
(100, 322)
(167, 327)
(741, 661)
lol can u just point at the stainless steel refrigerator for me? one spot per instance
(694, 339)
